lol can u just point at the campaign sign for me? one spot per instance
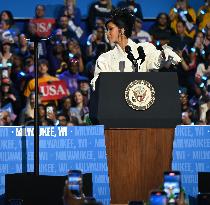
(61, 149)
(191, 154)
(53, 91)
(43, 26)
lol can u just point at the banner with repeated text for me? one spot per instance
(191, 154)
(61, 149)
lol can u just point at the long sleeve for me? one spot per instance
(154, 57)
(101, 66)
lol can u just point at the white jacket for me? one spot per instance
(116, 59)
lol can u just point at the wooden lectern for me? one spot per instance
(139, 143)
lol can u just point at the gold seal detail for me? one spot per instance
(140, 94)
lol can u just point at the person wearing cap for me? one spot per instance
(71, 75)
(84, 87)
(119, 29)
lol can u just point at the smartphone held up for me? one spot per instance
(75, 183)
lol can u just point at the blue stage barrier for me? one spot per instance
(191, 154)
(61, 149)
(64, 148)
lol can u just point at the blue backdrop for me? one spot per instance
(25, 8)
(64, 148)
(61, 149)
(191, 154)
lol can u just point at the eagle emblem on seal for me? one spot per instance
(140, 95)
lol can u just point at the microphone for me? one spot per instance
(122, 66)
(131, 57)
(141, 54)
(127, 49)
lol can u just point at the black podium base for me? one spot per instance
(40, 190)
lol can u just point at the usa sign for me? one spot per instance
(43, 26)
(53, 90)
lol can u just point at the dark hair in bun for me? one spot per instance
(123, 18)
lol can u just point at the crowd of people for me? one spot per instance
(67, 60)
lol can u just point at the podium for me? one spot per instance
(139, 143)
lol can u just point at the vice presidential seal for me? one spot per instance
(140, 95)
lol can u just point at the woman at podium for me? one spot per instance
(126, 55)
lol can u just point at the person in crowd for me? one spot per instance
(6, 17)
(26, 72)
(189, 109)
(184, 99)
(71, 75)
(27, 113)
(64, 30)
(79, 109)
(202, 75)
(51, 113)
(22, 46)
(186, 70)
(9, 96)
(203, 16)
(183, 11)
(100, 21)
(119, 30)
(29, 64)
(160, 31)
(57, 58)
(97, 37)
(74, 50)
(207, 37)
(203, 68)
(73, 122)
(41, 112)
(181, 41)
(6, 54)
(63, 119)
(74, 15)
(42, 116)
(133, 6)
(40, 27)
(43, 77)
(186, 119)
(199, 46)
(100, 8)
(84, 88)
(208, 117)
(47, 24)
(90, 66)
(66, 104)
(40, 11)
(139, 35)
(5, 118)
(17, 72)
(203, 109)
(70, 9)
